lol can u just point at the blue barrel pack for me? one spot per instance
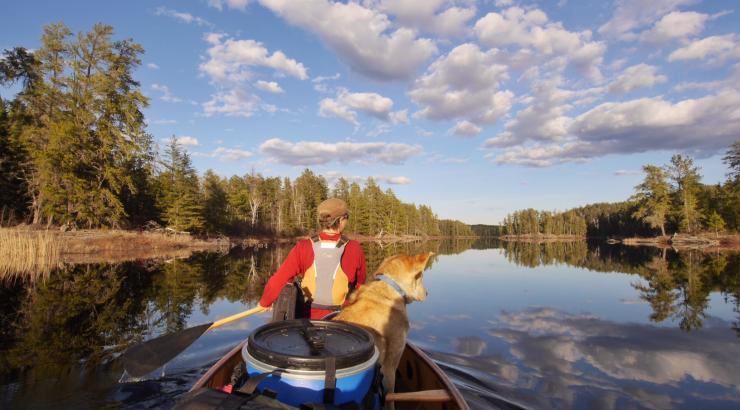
(314, 362)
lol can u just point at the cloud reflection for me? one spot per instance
(567, 350)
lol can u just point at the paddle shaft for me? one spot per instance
(420, 396)
(237, 316)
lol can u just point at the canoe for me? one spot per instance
(420, 383)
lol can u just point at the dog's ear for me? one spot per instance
(423, 258)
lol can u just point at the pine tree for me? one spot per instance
(686, 180)
(215, 201)
(180, 198)
(653, 197)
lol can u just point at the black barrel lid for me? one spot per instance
(304, 344)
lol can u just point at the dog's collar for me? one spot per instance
(392, 283)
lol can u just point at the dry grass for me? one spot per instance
(30, 254)
(26, 254)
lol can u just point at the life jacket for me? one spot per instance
(324, 283)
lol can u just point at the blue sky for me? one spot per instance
(474, 108)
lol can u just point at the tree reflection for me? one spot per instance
(676, 284)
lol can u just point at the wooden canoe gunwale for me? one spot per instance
(415, 365)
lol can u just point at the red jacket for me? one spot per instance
(300, 259)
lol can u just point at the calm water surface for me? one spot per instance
(563, 325)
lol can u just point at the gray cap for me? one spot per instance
(331, 210)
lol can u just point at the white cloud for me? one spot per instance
(231, 60)
(333, 176)
(232, 4)
(626, 173)
(675, 25)
(166, 93)
(712, 49)
(634, 14)
(231, 154)
(531, 30)
(235, 103)
(463, 84)
(226, 154)
(543, 120)
(372, 104)
(269, 86)
(164, 121)
(466, 129)
(331, 108)
(315, 152)
(363, 38)
(187, 140)
(152, 66)
(702, 126)
(393, 180)
(432, 16)
(181, 16)
(636, 76)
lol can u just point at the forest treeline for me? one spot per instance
(670, 199)
(74, 151)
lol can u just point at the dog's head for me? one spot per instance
(407, 272)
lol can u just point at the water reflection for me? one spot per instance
(676, 284)
(555, 359)
(59, 338)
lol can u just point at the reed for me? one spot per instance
(28, 254)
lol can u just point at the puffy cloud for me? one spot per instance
(626, 173)
(637, 76)
(333, 176)
(466, 129)
(230, 60)
(316, 153)
(543, 120)
(331, 108)
(372, 104)
(424, 15)
(226, 154)
(319, 83)
(531, 29)
(362, 37)
(463, 83)
(187, 140)
(152, 66)
(232, 4)
(181, 16)
(166, 93)
(704, 126)
(393, 180)
(675, 25)
(164, 121)
(713, 49)
(269, 86)
(234, 103)
(633, 14)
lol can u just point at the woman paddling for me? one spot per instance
(330, 265)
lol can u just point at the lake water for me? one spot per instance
(560, 325)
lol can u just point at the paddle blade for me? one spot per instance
(146, 357)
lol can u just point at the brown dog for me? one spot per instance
(381, 308)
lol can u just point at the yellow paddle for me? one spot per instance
(145, 357)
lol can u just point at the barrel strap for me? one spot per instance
(330, 380)
(251, 385)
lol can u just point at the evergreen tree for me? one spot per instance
(715, 222)
(653, 197)
(215, 202)
(180, 202)
(686, 180)
(732, 159)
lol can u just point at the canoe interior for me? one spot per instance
(415, 372)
